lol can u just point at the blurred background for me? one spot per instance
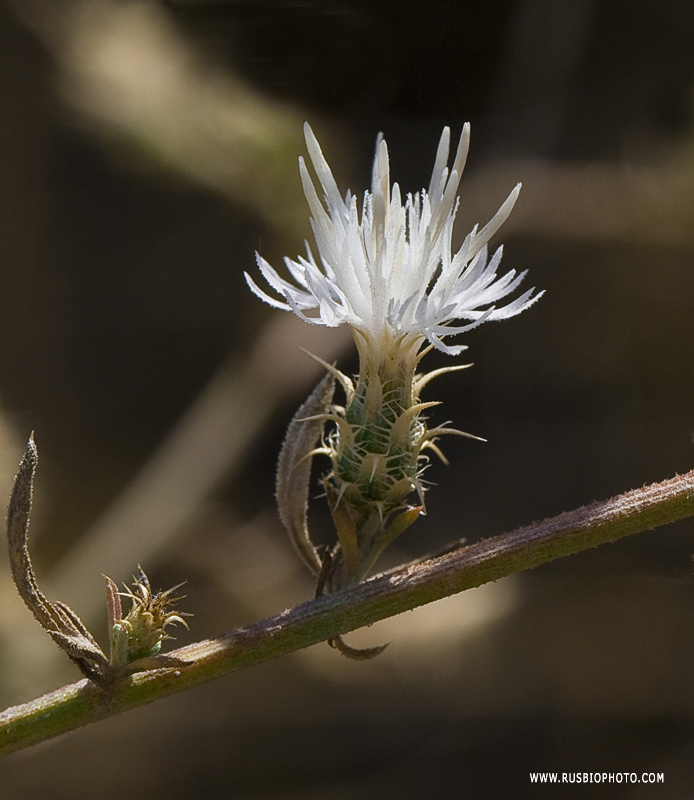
(147, 149)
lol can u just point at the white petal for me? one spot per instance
(264, 297)
(323, 171)
(437, 181)
(497, 220)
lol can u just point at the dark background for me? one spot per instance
(147, 150)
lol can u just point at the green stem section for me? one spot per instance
(327, 617)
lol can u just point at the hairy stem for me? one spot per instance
(330, 616)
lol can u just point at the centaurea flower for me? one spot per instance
(390, 273)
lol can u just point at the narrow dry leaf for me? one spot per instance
(61, 623)
(294, 469)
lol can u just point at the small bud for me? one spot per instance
(137, 637)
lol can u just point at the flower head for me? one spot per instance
(390, 272)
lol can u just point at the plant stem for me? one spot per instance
(327, 617)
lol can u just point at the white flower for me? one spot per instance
(391, 274)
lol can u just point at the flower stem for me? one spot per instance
(330, 616)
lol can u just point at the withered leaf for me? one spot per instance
(62, 624)
(294, 469)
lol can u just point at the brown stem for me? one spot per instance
(330, 616)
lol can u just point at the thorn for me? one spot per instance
(356, 653)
